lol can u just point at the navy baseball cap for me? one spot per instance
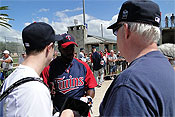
(38, 35)
(81, 49)
(66, 40)
(142, 11)
(93, 47)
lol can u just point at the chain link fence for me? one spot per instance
(14, 45)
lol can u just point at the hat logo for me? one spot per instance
(27, 44)
(125, 14)
(68, 37)
(157, 19)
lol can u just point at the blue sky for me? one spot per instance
(61, 13)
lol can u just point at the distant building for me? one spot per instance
(168, 35)
(79, 32)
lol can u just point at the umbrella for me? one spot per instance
(168, 49)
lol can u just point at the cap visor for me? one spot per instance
(58, 38)
(64, 45)
(112, 26)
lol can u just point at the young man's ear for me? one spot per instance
(49, 47)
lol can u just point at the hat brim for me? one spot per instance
(5, 53)
(58, 38)
(113, 26)
(64, 45)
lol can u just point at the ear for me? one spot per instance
(126, 31)
(48, 48)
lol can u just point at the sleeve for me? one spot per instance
(89, 78)
(90, 81)
(124, 101)
(45, 74)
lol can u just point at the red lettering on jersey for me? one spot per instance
(81, 82)
(76, 79)
(67, 83)
(73, 85)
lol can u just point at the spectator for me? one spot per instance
(112, 58)
(31, 98)
(75, 55)
(21, 58)
(98, 64)
(81, 55)
(172, 21)
(90, 64)
(119, 62)
(107, 63)
(68, 76)
(55, 54)
(87, 59)
(166, 22)
(145, 88)
(6, 64)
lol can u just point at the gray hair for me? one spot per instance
(149, 33)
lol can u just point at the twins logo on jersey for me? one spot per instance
(66, 85)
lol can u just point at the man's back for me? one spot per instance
(96, 58)
(26, 98)
(146, 88)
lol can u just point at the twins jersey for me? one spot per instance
(68, 80)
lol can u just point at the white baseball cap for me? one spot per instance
(112, 51)
(6, 52)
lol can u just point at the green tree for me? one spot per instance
(4, 18)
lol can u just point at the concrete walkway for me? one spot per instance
(99, 94)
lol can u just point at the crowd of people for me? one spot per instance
(46, 86)
(103, 63)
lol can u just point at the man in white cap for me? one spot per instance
(6, 64)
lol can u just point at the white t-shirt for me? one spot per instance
(81, 55)
(112, 58)
(31, 99)
(7, 66)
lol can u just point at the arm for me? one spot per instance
(91, 92)
(7, 61)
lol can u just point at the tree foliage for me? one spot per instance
(4, 18)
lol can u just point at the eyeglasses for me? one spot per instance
(115, 30)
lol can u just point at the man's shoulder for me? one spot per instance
(10, 58)
(56, 60)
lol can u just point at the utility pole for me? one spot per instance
(84, 13)
(102, 30)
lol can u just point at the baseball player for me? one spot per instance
(68, 76)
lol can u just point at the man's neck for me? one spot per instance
(142, 51)
(35, 62)
(66, 61)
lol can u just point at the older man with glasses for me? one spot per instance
(146, 87)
